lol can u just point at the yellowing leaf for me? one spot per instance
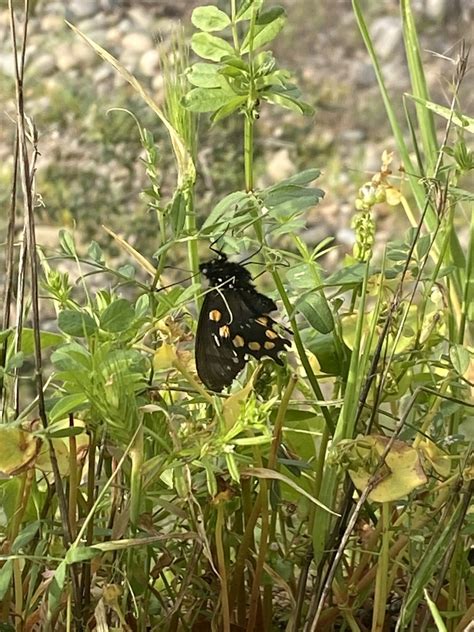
(403, 469)
(439, 460)
(233, 404)
(43, 462)
(164, 357)
(18, 450)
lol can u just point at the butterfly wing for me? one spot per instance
(218, 361)
(259, 331)
(233, 324)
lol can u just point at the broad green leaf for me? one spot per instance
(246, 8)
(15, 361)
(56, 588)
(234, 201)
(81, 554)
(95, 252)
(71, 357)
(204, 75)
(67, 404)
(6, 572)
(227, 109)
(209, 18)
(48, 339)
(460, 358)
(75, 323)
(117, 317)
(285, 98)
(66, 241)
(267, 26)
(461, 120)
(315, 309)
(302, 178)
(351, 275)
(25, 536)
(210, 47)
(207, 99)
(18, 450)
(5, 334)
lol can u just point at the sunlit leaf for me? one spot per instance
(209, 18)
(18, 450)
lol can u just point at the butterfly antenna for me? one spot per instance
(244, 261)
(214, 242)
(166, 287)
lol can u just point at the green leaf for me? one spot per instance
(281, 195)
(74, 323)
(67, 404)
(228, 108)
(209, 18)
(207, 99)
(66, 241)
(6, 573)
(461, 120)
(64, 432)
(210, 47)
(235, 201)
(352, 275)
(117, 317)
(56, 588)
(95, 252)
(316, 311)
(267, 26)
(302, 178)
(204, 75)
(460, 358)
(48, 339)
(73, 357)
(246, 8)
(285, 98)
(127, 271)
(81, 554)
(15, 361)
(25, 536)
(5, 334)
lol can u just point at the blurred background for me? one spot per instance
(89, 171)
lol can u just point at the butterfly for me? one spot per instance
(233, 324)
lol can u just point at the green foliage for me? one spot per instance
(185, 509)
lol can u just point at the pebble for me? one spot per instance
(79, 9)
(149, 63)
(137, 42)
(387, 36)
(74, 54)
(280, 165)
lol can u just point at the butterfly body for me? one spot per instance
(233, 324)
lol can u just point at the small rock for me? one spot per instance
(436, 9)
(136, 42)
(72, 54)
(51, 23)
(387, 36)
(363, 74)
(6, 64)
(280, 166)
(149, 62)
(79, 9)
(42, 65)
(141, 18)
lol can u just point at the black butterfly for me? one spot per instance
(233, 324)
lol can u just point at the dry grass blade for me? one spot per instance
(186, 169)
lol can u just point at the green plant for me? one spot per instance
(320, 494)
